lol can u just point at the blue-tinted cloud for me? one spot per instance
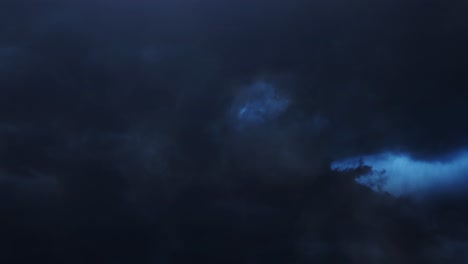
(406, 175)
(259, 103)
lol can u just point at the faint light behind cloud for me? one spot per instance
(260, 102)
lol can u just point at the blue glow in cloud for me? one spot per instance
(260, 103)
(405, 175)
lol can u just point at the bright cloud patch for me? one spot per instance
(259, 103)
(405, 175)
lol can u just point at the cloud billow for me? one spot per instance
(203, 131)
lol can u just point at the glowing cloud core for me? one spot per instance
(405, 175)
(259, 103)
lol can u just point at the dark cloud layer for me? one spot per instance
(203, 131)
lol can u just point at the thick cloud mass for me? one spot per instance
(403, 175)
(204, 131)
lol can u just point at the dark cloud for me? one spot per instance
(203, 131)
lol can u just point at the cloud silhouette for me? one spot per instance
(204, 131)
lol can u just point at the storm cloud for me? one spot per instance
(205, 131)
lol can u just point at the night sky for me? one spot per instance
(233, 131)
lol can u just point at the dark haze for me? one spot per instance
(203, 131)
